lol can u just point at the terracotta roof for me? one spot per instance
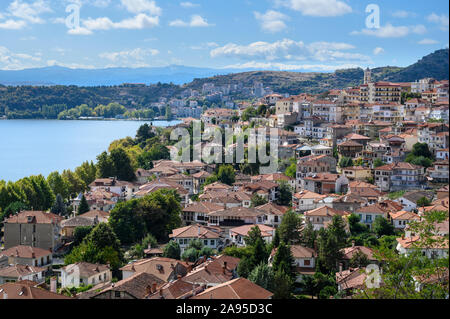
(271, 208)
(299, 251)
(238, 212)
(37, 217)
(350, 251)
(266, 231)
(26, 252)
(194, 231)
(408, 242)
(18, 271)
(325, 211)
(77, 221)
(350, 143)
(85, 269)
(139, 285)
(351, 278)
(323, 177)
(27, 290)
(213, 272)
(403, 215)
(354, 136)
(398, 165)
(239, 288)
(306, 194)
(96, 213)
(160, 184)
(178, 289)
(203, 207)
(150, 266)
(357, 184)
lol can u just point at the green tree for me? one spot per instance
(345, 162)
(83, 207)
(59, 207)
(126, 222)
(289, 227)
(105, 166)
(381, 226)
(283, 261)
(263, 276)
(291, 171)
(423, 201)
(226, 174)
(308, 236)
(258, 200)
(172, 250)
(122, 165)
(58, 184)
(377, 163)
(355, 226)
(359, 260)
(284, 194)
(81, 233)
(283, 285)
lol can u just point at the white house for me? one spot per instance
(406, 245)
(402, 218)
(237, 235)
(207, 235)
(83, 274)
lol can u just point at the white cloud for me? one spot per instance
(139, 6)
(69, 65)
(390, 31)
(427, 41)
(188, 4)
(204, 46)
(272, 21)
(378, 50)
(290, 67)
(286, 49)
(317, 8)
(29, 11)
(140, 21)
(403, 14)
(12, 24)
(196, 21)
(17, 61)
(132, 58)
(442, 20)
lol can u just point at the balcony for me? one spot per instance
(232, 223)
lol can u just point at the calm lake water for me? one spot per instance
(33, 147)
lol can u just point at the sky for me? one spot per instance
(301, 35)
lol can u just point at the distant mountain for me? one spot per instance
(57, 75)
(433, 65)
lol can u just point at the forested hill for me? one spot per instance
(31, 99)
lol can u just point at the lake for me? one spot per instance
(33, 147)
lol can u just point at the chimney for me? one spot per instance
(179, 277)
(340, 267)
(53, 284)
(353, 243)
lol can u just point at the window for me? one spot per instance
(117, 294)
(212, 242)
(307, 262)
(205, 242)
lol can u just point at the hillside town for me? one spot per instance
(362, 183)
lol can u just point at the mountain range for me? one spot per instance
(434, 65)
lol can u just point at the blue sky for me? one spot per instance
(318, 35)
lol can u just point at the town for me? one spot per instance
(357, 208)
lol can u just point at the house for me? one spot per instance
(349, 202)
(399, 176)
(143, 175)
(263, 188)
(407, 244)
(199, 179)
(350, 149)
(349, 252)
(273, 214)
(26, 289)
(351, 280)
(213, 272)
(198, 212)
(402, 218)
(237, 235)
(325, 183)
(178, 289)
(166, 269)
(442, 192)
(99, 215)
(68, 225)
(123, 188)
(236, 216)
(275, 178)
(84, 274)
(304, 260)
(367, 214)
(153, 186)
(137, 286)
(305, 200)
(27, 255)
(239, 288)
(207, 235)
(357, 173)
(365, 190)
(439, 172)
(33, 228)
(320, 216)
(409, 199)
(314, 164)
(17, 272)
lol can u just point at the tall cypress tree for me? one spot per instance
(84, 206)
